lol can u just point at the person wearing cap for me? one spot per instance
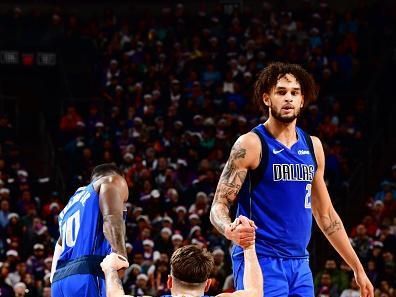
(191, 267)
(12, 253)
(4, 193)
(181, 220)
(167, 222)
(131, 275)
(91, 226)
(164, 243)
(194, 219)
(20, 289)
(47, 266)
(142, 286)
(200, 207)
(149, 254)
(177, 241)
(35, 263)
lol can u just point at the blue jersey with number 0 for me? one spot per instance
(277, 197)
(81, 226)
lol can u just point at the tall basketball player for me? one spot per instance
(91, 226)
(275, 173)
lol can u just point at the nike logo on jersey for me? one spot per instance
(277, 151)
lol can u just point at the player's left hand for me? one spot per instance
(114, 261)
(366, 288)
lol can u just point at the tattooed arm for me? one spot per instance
(331, 224)
(245, 154)
(113, 193)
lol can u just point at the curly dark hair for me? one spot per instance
(105, 169)
(270, 75)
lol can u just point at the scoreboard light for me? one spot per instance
(9, 57)
(46, 59)
(27, 59)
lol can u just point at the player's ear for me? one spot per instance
(302, 101)
(169, 282)
(266, 99)
(207, 285)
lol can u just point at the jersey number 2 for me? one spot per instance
(308, 188)
(70, 229)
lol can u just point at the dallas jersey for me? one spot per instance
(277, 196)
(81, 228)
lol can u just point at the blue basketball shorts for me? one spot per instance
(79, 285)
(282, 276)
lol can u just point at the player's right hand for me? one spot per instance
(242, 232)
(114, 262)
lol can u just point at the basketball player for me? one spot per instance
(276, 171)
(91, 226)
(190, 270)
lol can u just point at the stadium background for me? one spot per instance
(163, 89)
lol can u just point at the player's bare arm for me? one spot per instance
(331, 225)
(110, 265)
(113, 284)
(55, 258)
(113, 193)
(253, 276)
(244, 155)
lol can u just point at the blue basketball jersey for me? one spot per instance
(81, 226)
(277, 196)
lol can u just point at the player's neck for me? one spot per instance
(283, 132)
(179, 292)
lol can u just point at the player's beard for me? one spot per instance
(285, 118)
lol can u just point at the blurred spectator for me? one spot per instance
(362, 243)
(338, 279)
(388, 239)
(5, 288)
(35, 263)
(325, 287)
(352, 291)
(4, 213)
(372, 272)
(141, 287)
(69, 122)
(386, 186)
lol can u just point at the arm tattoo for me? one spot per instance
(230, 183)
(330, 225)
(333, 227)
(231, 174)
(114, 231)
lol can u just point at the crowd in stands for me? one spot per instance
(374, 240)
(176, 92)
